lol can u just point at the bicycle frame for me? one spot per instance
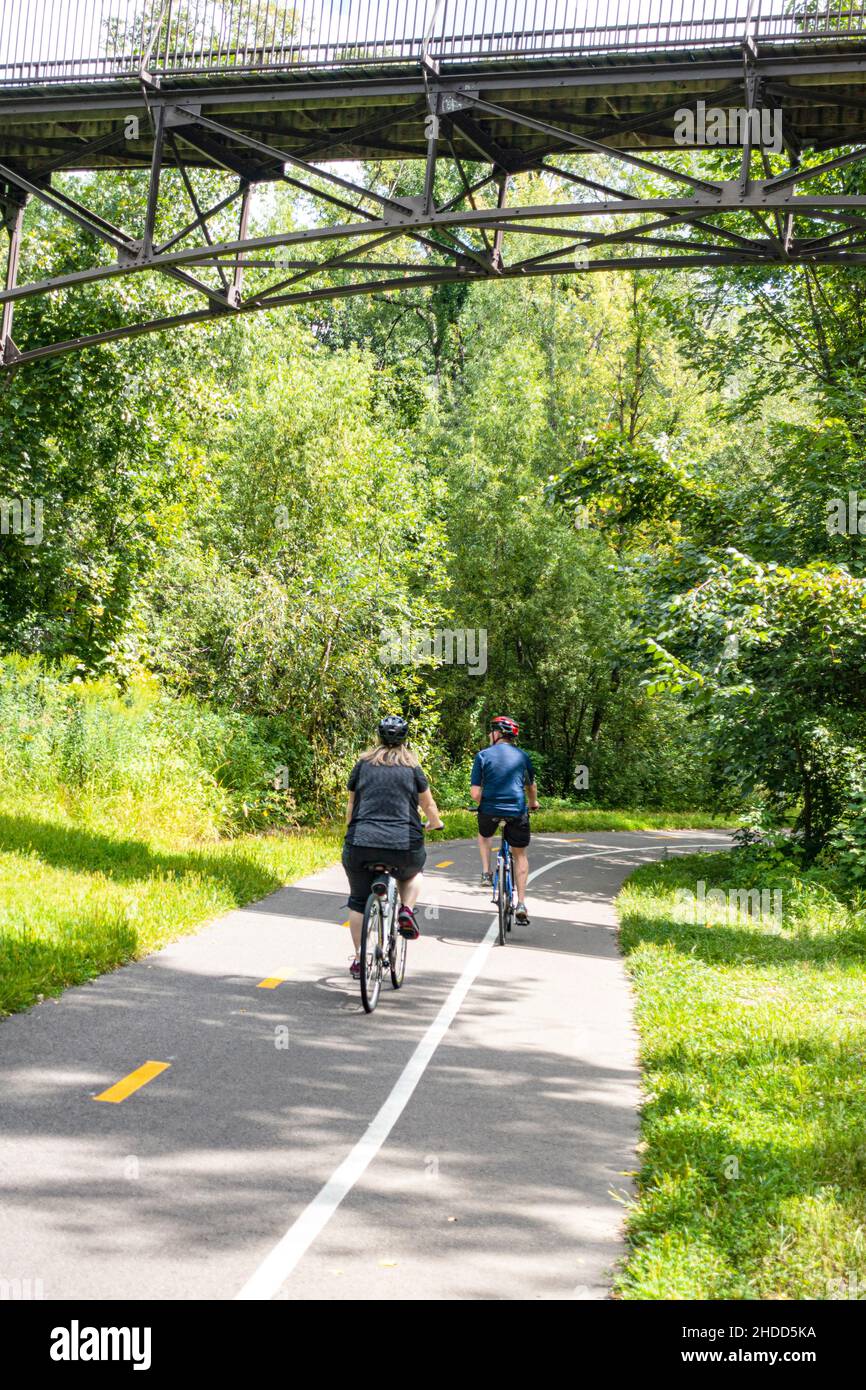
(503, 863)
(505, 877)
(389, 948)
(388, 905)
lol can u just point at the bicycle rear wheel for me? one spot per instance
(371, 954)
(502, 900)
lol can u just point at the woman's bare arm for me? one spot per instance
(431, 811)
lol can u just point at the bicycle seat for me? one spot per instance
(379, 886)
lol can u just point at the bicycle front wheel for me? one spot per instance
(397, 959)
(371, 954)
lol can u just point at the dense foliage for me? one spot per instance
(610, 498)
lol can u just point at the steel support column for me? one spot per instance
(234, 293)
(13, 219)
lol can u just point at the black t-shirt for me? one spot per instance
(385, 812)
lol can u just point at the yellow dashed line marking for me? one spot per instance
(136, 1079)
(445, 864)
(278, 978)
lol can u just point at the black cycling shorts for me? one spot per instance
(516, 828)
(357, 858)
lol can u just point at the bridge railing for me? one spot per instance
(45, 41)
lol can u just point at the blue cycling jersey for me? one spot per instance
(503, 771)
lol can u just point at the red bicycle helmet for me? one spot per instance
(503, 725)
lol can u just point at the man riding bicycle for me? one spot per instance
(502, 778)
(386, 787)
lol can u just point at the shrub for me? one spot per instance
(204, 770)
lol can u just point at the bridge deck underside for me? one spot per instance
(628, 102)
(506, 117)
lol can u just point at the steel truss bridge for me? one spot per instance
(582, 93)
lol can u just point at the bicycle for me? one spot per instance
(380, 927)
(505, 901)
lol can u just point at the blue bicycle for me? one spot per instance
(504, 892)
(504, 886)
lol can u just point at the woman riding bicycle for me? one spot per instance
(386, 787)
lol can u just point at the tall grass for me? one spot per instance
(198, 772)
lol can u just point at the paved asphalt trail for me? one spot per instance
(494, 1180)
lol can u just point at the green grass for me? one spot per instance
(83, 892)
(89, 882)
(753, 1045)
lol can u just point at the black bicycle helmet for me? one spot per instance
(393, 730)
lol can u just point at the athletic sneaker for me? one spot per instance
(355, 968)
(486, 880)
(521, 915)
(406, 924)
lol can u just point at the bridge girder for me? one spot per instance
(484, 121)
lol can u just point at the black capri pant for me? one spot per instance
(357, 859)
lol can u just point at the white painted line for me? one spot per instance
(278, 1265)
(636, 849)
